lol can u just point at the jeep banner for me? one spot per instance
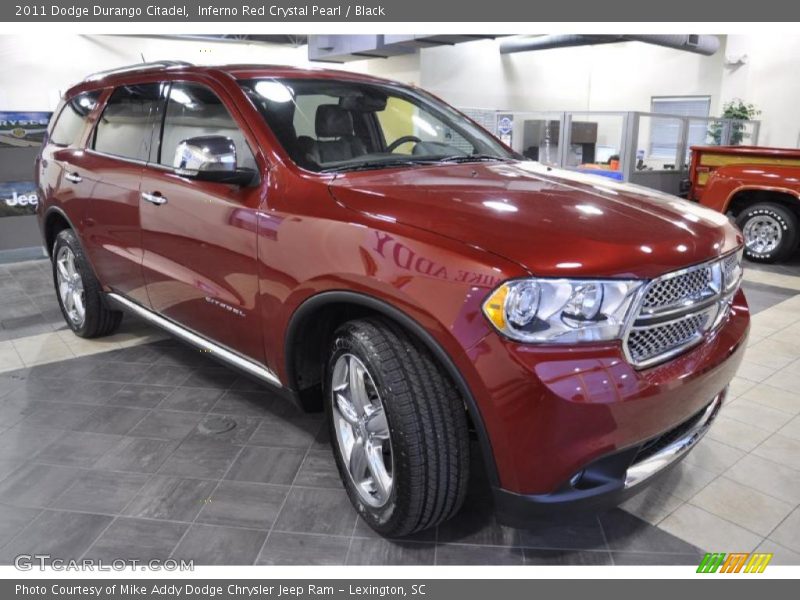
(21, 134)
(17, 198)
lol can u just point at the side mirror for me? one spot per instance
(210, 158)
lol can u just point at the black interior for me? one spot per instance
(336, 139)
(346, 129)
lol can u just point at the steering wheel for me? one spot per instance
(400, 141)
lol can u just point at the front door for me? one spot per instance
(199, 238)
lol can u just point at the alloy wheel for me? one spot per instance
(70, 286)
(362, 431)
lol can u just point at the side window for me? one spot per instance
(193, 110)
(126, 127)
(72, 119)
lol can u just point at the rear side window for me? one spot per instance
(193, 110)
(125, 128)
(72, 119)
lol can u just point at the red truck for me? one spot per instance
(759, 188)
(362, 248)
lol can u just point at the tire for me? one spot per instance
(770, 232)
(72, 276)
(428, 441)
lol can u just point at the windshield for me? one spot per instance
(328, 125)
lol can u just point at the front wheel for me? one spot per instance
(770, 232)
(398, 428)
(79, 293)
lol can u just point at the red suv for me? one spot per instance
(367, 250)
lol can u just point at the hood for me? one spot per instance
(551, 222)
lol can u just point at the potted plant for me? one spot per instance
(738, 111)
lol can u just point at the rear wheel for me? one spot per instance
(398, 428)
(770, 232)
(78, 291)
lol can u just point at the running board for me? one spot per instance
(224, 354)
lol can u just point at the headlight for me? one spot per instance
(732, 270)
(561, 310)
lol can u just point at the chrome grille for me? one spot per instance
(675, 290)
(731, 262)
(645, 343)
(678, 309)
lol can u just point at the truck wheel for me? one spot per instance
(398, 428)
(770, 232)
(79, 293)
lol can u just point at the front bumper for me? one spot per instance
(609, 481)
(576, 427)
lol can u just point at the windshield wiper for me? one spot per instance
(462, 158)
(380, 164)
(376, 164)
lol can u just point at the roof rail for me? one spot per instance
(146, 66)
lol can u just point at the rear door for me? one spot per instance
(119, 150)
(61, 167)
(200, 238)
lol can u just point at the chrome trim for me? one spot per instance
(673, 314)
(73, 177)
(681, 348)
(642, 471)
(156, 199)
(133, 161)
(225, 354)
(643, 319)
(716, 268)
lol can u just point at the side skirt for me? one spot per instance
(219, 352)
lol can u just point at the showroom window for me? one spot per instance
(72, 119)
(126, 127)
(665, 133)
(194, 110)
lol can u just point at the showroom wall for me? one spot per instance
(40, 74)
(609, 77)
(769, 78)
(623, 77)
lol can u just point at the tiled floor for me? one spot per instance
(140, 447)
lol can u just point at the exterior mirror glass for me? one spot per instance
(205, 153)
(210, 158)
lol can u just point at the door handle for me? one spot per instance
(73, 177)
(154, 198)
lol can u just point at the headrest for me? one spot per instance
(333, 121)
